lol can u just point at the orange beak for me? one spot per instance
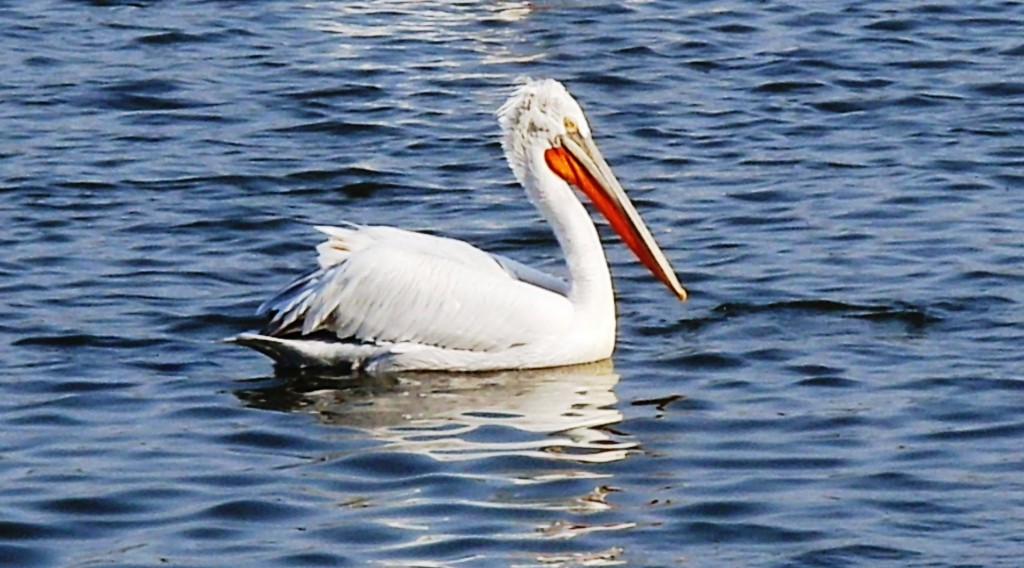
(578, 161)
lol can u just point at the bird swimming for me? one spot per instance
(385, 299)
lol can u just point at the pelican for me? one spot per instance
(386, 300)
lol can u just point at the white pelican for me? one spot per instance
(384, 299)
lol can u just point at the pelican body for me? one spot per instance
(384, 299)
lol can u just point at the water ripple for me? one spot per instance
(838, 184)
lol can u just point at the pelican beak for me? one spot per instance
(578, 161)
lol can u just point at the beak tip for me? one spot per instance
(681, 294)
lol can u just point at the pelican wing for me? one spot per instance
(380, 284)
(533, 276)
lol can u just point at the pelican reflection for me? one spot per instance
(561, 413)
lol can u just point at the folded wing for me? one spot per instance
(386, 285)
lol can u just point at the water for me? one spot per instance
(840, 188)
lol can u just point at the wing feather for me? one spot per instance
(379, 284)
(533, 276)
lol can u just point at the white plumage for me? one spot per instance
(385, 299)
(371, 287)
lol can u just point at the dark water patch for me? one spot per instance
(89, 185)
(990, 22)
(735, 29)
(930, 64)
(766, 463)
(725, 510)
(716, 361)
(372, 534)
(854, 554)
(864, 84)
(80, 386)
(932, 384)
(814, 370)
(844, 106)
(225, 481)
(691, 45)
(640, 51)
(250, 183)
(765, 354)
(209, 533)
(71, 340)
(919, 101)
(703, 65)
(846, 421)
(342, 172)
(21, 531)
(812, 19)
(363, 190)
(198, 413)
(105, 506)
(351, 90)
(218, 323)
(846, 165)
(1014, 385)
(243, 224)
(933, 9)
(172, 38)
(818, 63)
(992, 277)
(956, 165)
(24, 556)
(151, 86)
(1001, 89)
(339, 128)
(314, 559)
(143, 96)
(388, 466)
(170, 118)
(41, 61)
(762, 220)
(916, 507)
(830, 382)
(892, 42)
(119, 3)
(268, 510)
(899, 481)
(608, 80)
(671, 328)
(769, 162)
(775, 87)
(264, 440)
(913, 317)
(893, 25)
(902, 313)
(45, 419)
(740, 533)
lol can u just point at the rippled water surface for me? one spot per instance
(839, 186)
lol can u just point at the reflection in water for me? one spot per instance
(554, 413)
(363, 26)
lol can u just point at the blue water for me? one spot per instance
(840, 187)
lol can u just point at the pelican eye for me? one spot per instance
(572, 131)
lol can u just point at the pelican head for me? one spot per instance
(543, 124)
